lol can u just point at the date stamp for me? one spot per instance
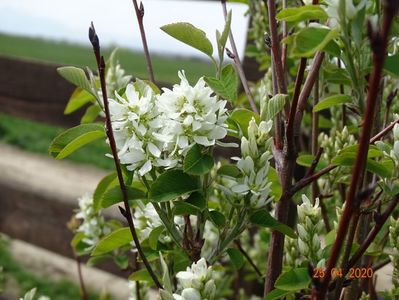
(353, 273)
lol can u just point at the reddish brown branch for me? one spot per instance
(140, 16)
(126, 212)
(379, 41)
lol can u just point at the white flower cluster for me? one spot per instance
(93, 224)
(30, 295)
(146, 219)
(337, 141)
(334, 10)
(254, 164)
(394, 242)
(310, 227)
(196, 283)
(156, 130)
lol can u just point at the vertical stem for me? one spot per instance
(315, 133)
(83, 291)
(379, 41)
(238, 64)
(140, 17)
(126, 211)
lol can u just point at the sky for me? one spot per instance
(116, 23)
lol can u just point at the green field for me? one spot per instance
(165, 68)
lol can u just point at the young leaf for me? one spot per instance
(331, 101)
(236, 258)
(190, 35)
(91, 114)
(226, 86)
(102, 187)
(172, 184)
(302, 13)
(348, 159)
(276, 189)
(222, 38)
(309, 40)
(78, 98)
(293, 280)
(76, 76)
(217, 218)
(114, 195)
(277, 294)
(73, 138)
(197, 162)
(242, 117)
(154, 236)
(274, 106)
(230, 171)
(165, 275)
(264, 219)
(141, 275)
(112, 241)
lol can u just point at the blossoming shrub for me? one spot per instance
(300, 210)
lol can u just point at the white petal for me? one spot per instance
(154, 150)
(145, 168)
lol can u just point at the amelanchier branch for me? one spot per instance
(140, 17)
(236, 58)
(126, 212)
(379, 41)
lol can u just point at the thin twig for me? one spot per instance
(237, 61)
(380, 264)
(379, 223)
(126, 212)
(83, 291)
(383, 132)
(249, 259)
(307, 180)
(140, 17)
(379, 41)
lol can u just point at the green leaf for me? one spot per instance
(276, 189)
(391, 65)
(264, 219)
(331, 101)
(277, 294)
(348, 159)
(141, 275)
(242, 117)
(217, 218)
(154, 236)
(172, 184)
(193, 205)
(222, 38)
(190, 35)
(112, 241)
(306, 160)
(91, 114)
(73, 138)
(293, 280)
(165, 275)
(373, 151)
(226, 86)
(102, 187)
(274, 106)
(76, 76)
(302, 13)
(113, 195)
(230, 171)
(197, 161)
(236, 258)
(78, 98)
(309, 40)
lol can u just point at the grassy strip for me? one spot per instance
(56, 290)
(165, 68)
(36, 137)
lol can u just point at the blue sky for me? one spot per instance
(115, 21)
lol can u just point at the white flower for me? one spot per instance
(333, 9)
(93, 224)
(135, 121)
(191, 294)
(191, 115)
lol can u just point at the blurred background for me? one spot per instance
(38, 194)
